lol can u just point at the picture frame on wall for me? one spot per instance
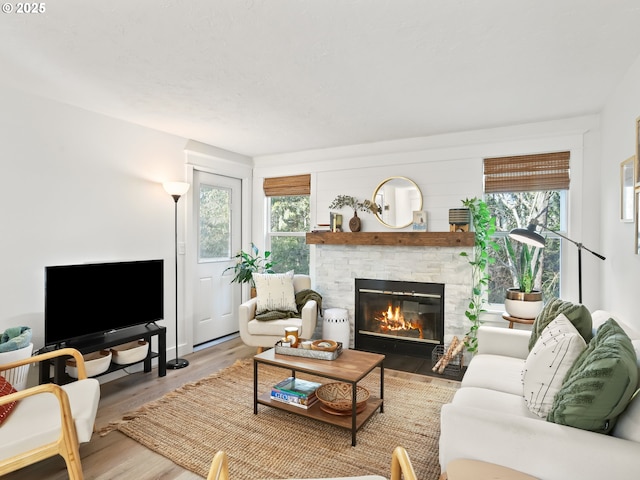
(627, 197)
(419, 221)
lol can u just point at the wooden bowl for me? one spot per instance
(338, 396)
(324, 345)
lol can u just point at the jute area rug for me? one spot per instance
(191, 423)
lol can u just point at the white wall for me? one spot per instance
(621, 272)
(448, 169)
(79, 187)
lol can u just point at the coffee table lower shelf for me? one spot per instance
(344, 421)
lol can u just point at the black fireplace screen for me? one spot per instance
(399, 317)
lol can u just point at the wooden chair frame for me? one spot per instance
(401, 467)
(67, 444)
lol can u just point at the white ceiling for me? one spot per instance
(261, 77)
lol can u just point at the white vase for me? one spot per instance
(523, 305)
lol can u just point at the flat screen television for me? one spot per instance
(93, 299)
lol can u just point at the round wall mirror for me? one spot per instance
(397, 197)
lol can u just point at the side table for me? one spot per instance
(512, 320)
(335, 325)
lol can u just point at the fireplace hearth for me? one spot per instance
(398, 317)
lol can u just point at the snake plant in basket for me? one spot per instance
(523, 301)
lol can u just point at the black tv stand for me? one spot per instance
(106, 341)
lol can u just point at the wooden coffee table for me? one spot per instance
(351, 367)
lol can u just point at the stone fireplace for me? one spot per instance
(405, 318)
(335, 268)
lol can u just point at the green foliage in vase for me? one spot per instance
(484, 225)
(250, 263)
(342, 201)
(525, 263)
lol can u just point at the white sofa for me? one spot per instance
(489, 420)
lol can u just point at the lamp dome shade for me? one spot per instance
(176, 188)
(528, 235)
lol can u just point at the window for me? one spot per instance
(518, 190)
(288, 213)
(214, 235)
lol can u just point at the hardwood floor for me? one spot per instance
(116, 456)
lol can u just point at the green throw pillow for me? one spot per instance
(577, 314)
(599, 386)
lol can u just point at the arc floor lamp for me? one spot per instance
(176, 190)
(531, 237)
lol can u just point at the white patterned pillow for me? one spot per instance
(550, 359)
(274, 291)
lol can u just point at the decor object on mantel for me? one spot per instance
(484, 226)
(459, 219)
(398, 198)
(342, 201)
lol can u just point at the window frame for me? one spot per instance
(530, 173)
(275, 187)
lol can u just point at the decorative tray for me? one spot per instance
(303, 352)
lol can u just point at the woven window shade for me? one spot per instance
(283, 186)
(525, 173)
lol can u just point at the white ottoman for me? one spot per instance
(335, 325)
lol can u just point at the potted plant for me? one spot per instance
(342, 201)
(484, 225)
(523, 300)
(249, 263)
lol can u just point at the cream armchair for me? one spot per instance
(48, 419)
(265, 334)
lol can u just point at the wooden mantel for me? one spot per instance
(407, 239)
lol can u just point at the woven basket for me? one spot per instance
(338, 395)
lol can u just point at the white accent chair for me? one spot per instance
(49, 419)
(265, 334)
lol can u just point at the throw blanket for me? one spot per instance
(302, 297)
(15, 338)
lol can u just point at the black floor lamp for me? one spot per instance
(176, 190)
(530, 237)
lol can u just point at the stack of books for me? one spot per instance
(321, 227)
(295, 391)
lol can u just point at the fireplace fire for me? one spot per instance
(399, 317)
(393, 321)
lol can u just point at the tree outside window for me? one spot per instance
(288, 224)
(516, 210)
(214, 235)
